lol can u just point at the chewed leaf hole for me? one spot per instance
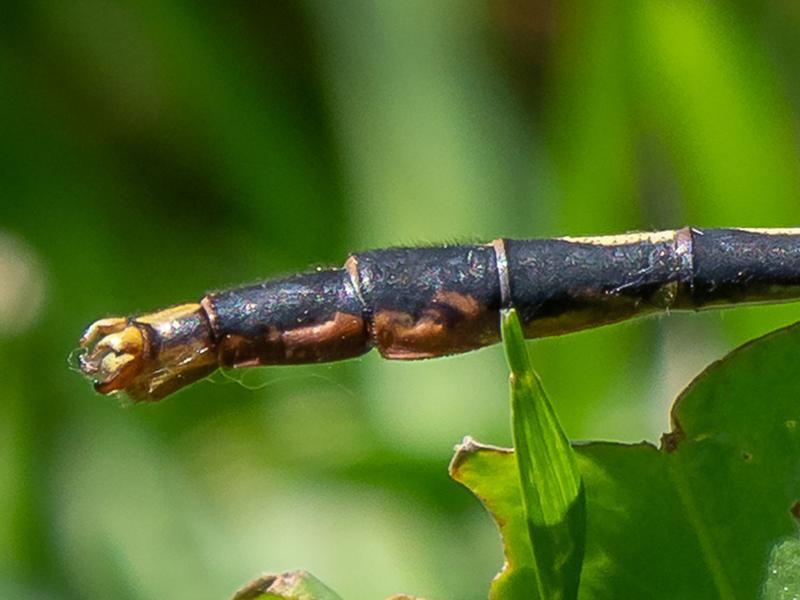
(795, 509)
(746, 456)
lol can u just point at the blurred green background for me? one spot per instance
(155, 150)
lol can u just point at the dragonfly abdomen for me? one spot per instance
(413, 303)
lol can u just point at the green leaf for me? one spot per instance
(551, 489)
(697, 518)
(295, 585)
(552, 530)
(547, 463)
(491, 474)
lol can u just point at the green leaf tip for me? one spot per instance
(550, 481)
(549, 464)
(294, 585)
(489, 472)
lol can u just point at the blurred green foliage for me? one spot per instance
(154, 150)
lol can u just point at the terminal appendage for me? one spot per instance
(150, 356)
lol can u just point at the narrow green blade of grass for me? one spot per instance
(550, 483)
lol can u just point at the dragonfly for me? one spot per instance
(424, 302)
